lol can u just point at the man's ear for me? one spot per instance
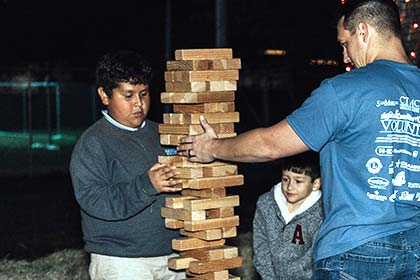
(316, 185)
(104, 97)
(363, 31)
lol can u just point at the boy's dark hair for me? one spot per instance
(382, 14)
(122, 66)
(306, 163)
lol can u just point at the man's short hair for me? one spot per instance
(381, 14)
(306, 163)
(122, 66)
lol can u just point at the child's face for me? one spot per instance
(129, 104)
(296, 187)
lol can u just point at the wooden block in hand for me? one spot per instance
(197, 97)
(194, 118)
(188, 243)
(209, 203)
(194, 129)
(200, 86)
(174, 139)
(218, 107)
(203, 64)
(197, 54)
(180, 161)
(211, 224)
(204, 193)
(200, 267)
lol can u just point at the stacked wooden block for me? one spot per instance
(202, 82)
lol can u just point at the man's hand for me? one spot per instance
(162, 178)
(198, 148)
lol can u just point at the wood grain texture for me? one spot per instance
(199, 86)
(213, 182)
(203, 64)
(201, 76)
(196, 54)
(211, 224)
(195, 129)
(200, 267)
(210, 203)
(218, 107)
(197, 97)
(194, 118)
(210, 234)
(204, 193)
(190, 243)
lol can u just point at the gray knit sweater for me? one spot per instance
(120, 208)
(284, 251)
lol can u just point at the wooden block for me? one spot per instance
(196, 54)
(208, 171)
(198, 86)
(183, 214)
(233, 277)
(204, 193)
(211, 254)
(173, 224)
(177, 201)
(230, 252)
(215, 275)
(200, 267)
(201, 76)
(189, 243)
(209, 203)
(213, 182)
(203, 64)
(174, 140)
(197, 97)
(211, 224)
(178, 118)
(220, 213)
(211, 234)
(180, 161)
(194, 129)
(229, 232)
(178, 263)
(219, 107)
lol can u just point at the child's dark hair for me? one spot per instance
(305, 163)
(122, 66)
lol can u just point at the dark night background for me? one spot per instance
(60, 41)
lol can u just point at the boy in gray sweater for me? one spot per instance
(118, 184)
(287, 220)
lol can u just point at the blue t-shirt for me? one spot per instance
(366, 126)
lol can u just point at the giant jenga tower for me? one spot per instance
(202, 82)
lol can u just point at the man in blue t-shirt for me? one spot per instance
(366, 126)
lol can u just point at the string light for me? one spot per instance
(413, 55)
(415, 26)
